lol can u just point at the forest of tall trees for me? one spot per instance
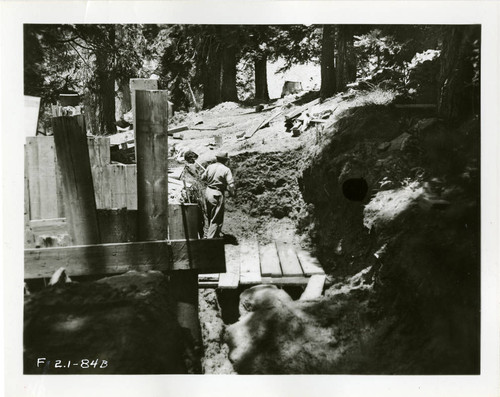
(198, 64)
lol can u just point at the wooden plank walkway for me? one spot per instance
(249, 263)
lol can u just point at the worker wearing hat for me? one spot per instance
(219, 179)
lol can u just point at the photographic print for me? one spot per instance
(264, 198)
(252, 199)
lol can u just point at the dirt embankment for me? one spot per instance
(268, 204)
(390, 201)
(410, 210)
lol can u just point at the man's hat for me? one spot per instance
(222, 156)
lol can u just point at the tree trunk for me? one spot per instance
(346, 61)
(457, 97)
(105, 87)
(125, 97)
(328, 62)
(261, 92)
(228, 89)
(212, 78)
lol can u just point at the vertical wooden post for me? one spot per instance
(73, 157)
(33, 177)
(152, 201)
(139, 84)
(152, 166)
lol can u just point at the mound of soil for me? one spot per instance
(126, 321)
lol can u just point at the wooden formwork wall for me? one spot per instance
(115, 185)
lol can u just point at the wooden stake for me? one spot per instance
(152, 200)
(79, 200)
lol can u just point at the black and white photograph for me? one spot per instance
(254, 198)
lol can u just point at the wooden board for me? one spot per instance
(49, 226)
(203, 128)
(97, 179)
(314, 288)
(310, 265)
(250, 262)
(231, 278)
(180, 216)
(71, 145)
(262, 124)
(99, 150)
(179, 128)
(131, 186)
(209, 280)
(31, 112)
(117, 225)
(117, 185)
(205, 256)
(61, 213)
(139, 84)
(31, 152)
(287, 281)
(269, 261)
(288, 259)
(106, 197)
(27, 215)
(296, 112)
(47, 178)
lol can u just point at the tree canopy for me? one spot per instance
(201, 65)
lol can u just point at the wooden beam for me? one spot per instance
(204, 256)
(79, 200)
(117, 225)
(31, 153)
(314, 288)
(310, 265)
(152, 165)
(131, 186)
(231, 278)
(182, 217)
(288, 281)
(139, 84)
(152, 206)
(179, 128)
(288, 260)
(301, 109)
(250, 262)
(47, 177)
(269, 261)
(262, 124)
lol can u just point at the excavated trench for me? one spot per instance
(389, 202)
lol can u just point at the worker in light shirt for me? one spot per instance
(219, 179)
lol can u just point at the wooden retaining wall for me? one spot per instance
(115, 185)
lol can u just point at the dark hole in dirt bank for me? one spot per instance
(355, 189)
